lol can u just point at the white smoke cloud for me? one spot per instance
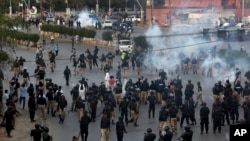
(184, 39)
(85, 19)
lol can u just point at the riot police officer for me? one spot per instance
(204, 117)
(149, 136)
(120, 129)
(187, 135)
(166, 135)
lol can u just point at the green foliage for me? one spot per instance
(107, 35)
(19, 35)
(141, 41)
(3, 56)
(82, 32)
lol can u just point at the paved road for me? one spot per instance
(71, 127)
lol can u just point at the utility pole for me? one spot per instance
(41, 8)
(152, 4)
(97, 7)
(169, 11)
(109, 8)
(10, 8)
(243, 9)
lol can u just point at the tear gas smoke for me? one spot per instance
(85, 19)
(186, 44)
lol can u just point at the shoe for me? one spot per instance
(206, 132)
(9, 136)
(219, 132)
(33, 120)
(201, 132)
(136, 125)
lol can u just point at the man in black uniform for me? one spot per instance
(93, 101)
(36, 133)
(84, 126)
(149, 136)
(120, 129)
(217, 114)
(67, 75)
(123, 108)
(187, 135)
(152, 101)
(167, 135)
(204, 117)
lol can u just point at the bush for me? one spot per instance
(141, 41)
(3, 56)
(61, 29)
(107, 35)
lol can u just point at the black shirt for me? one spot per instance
(105, 123)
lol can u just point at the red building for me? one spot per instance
(172, 9)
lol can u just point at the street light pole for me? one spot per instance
(97, 7)
(243, 8)
(10, 14)
(109, 9)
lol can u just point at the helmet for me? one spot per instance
(187, 128)
(149, 130)
(166, 128)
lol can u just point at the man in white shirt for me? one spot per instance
(107, 77)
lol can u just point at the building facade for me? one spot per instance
(172, 10)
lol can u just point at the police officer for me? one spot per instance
(93, 101)
(36, 133)
(189, 90)
(163, 116)
(152, 101)
(105, 127)
(120, 129)
(204, 117)
(166, 135)
(217, 115)
(123, 108)
(187, 135)
(144, 87)
(118, 92)
(90, 60)
(80, 107)
(133, 111)
(173, 110)
(149, 136)
(75, 94)
(184, 114)
(67, 75)
(84, 126)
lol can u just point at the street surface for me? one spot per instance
(64, 132)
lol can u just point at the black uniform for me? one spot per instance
(187, 135)
(167, 136)
(123, 108)
(120, 129)
(152, 100)
(149, 137)
(84, 123)
(204, 117)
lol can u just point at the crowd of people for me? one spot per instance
(178, 102)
